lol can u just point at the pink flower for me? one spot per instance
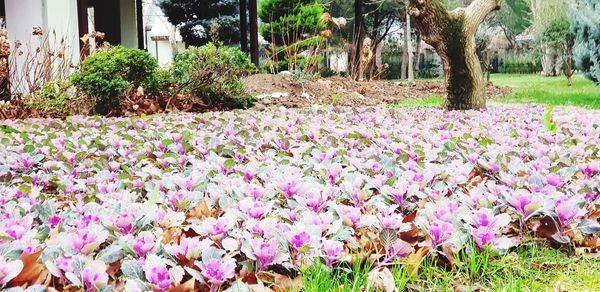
(524, 202)
(483, 236)
(333, 250)
(298, 238)
(219, 226)
(334, 172)
(350, 215)
(144, 243)
(440, 231)
(567, 210)
(289, 188)
(590, 169)
(190, 247)
(85, 240)
(554, 180)
(265, 252)
(9, 270)
(217, 271)
(157, 273)
(255, 209)
(124, 222)
(94, 275)
(486, 218)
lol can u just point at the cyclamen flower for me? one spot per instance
(298, 238)
(218, 226)
(483, 236)
(554, 180)
(486, 218)
(256, 209)
(217, 271)
(190, 247)
(157, 273)
(94, 275)
(567, 210)
(333, 250)
(124, 222)
(350, 215)
(9, 270)
(144, 243)
(85, 240)
(440, 231)
(289, 188)
(265, 252)
(524, 202)
(590, 169)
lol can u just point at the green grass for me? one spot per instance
(549, 90)
(533, 89)
(530, 268)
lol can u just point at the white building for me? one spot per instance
(120, 20)
(163, 39)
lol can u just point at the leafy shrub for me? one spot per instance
(520, 65)
(587, 43)
(286, 22)
(109, 73)
(213, 73)
(53, 99)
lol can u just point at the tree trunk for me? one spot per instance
(404, 57)
(418, 53)
(408, 40)
(253, 8)
(244, 25)
(452, 34)
(358, 33)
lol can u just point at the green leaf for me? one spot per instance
(229, 163)
(132, 270)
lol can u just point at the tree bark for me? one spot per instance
(408, 40)
(253, 15)
(418, 53)
(452, 34)
(244, 25)
(358, 33)
(404, 64)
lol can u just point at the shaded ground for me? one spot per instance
(289, 91)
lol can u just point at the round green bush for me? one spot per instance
(109, 73)
(212, 73)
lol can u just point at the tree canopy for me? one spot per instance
(198, 20)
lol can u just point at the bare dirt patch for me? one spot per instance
(289, 91)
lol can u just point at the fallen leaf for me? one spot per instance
(381, 279)
(187, 286)
(286, 283)
(413, 261)
(33, 271)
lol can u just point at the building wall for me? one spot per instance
(128, 24)
(61, 18)
(21, 17)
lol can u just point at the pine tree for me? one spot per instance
(200, 21)
(586, 25)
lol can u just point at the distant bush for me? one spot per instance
(212, 73)
(520, 65)
(53, 99)
(586, 52)
(109, 73)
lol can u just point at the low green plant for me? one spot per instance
(53, 99)
(109, 73)
(517, 64)
(212, 72)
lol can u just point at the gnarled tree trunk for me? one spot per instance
(452, 34)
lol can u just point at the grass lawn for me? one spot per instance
(535, 89)
(529, 268)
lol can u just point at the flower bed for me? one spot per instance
(225, 200)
